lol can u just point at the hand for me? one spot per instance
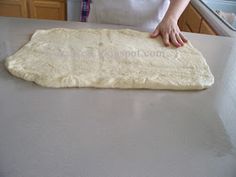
(169, 31)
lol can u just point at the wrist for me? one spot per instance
(170, 18)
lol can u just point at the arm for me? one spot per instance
(168, 28)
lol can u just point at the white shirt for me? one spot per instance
(146, 14)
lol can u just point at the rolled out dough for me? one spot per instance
(105, 58)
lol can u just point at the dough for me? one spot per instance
(105, 58)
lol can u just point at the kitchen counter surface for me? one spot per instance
(117, 133)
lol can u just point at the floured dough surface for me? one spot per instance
(105, 58)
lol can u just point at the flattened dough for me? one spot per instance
(105, 58)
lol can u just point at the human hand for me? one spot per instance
(169, 31)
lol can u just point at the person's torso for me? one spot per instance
(143, 13)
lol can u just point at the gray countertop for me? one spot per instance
(117, 133)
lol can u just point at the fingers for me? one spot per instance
(174, 40)
(169, 36)
(165, 36)
(177, 39)
(166, 39)
(183, 38)
(155, 33)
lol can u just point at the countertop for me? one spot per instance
(117, 133)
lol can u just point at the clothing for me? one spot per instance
(85, 9)
(141, 13)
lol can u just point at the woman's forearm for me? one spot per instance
(176, 8)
